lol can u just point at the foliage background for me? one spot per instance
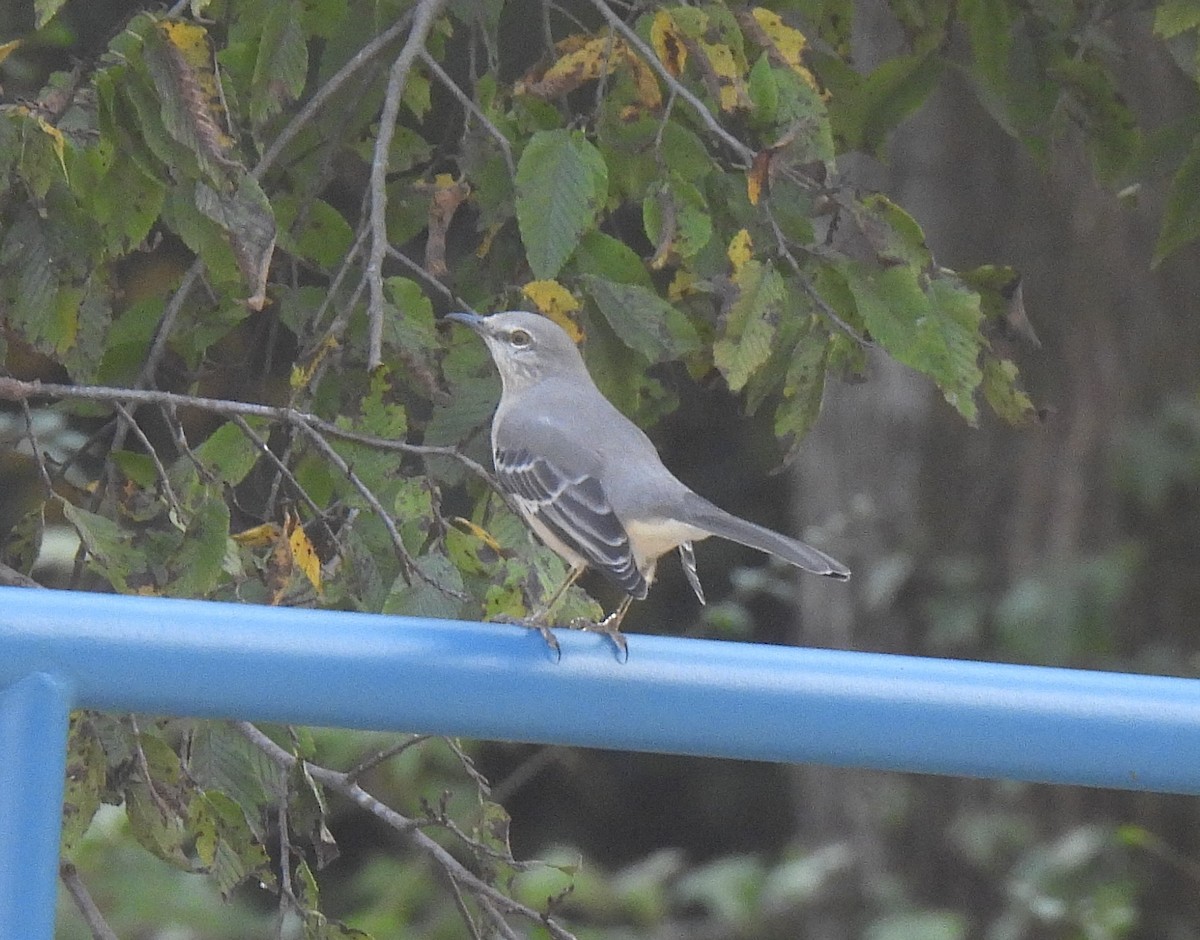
(286, 236)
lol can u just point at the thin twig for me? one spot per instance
(326, 91)
(165, 482)
(705, 115)
(409, 564)
(451, 86)
(454, 869)
(370, 763)
(16, 390)
(811, 292)
(91, 914)
(429, 279)
(423, 17)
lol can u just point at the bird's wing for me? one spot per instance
(574, 510)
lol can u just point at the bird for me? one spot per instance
(590, 483)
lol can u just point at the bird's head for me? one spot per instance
(526, 347)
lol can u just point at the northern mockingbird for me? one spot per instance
(589, 482)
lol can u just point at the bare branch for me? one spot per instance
(83, 901)
(705, 115)
(434, 66)
(16, 390)
(423, 19)
(339, 782)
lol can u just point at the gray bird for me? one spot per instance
(589, 482)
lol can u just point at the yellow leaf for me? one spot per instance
(57, 141)
(303, 554)
(783, 43)
(556, 303)
(668, 43)
(725, 72)
(740, 250)
(488, 237)
(7, 48)
(681, 285)
(471, 528)
(303, 372)
(259, 536)
(648, 93)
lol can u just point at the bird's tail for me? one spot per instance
(713, 519)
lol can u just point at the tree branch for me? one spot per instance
(701, 109)
(83, 901)
(423, 19)
(341, 783)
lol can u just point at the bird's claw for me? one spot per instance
(610, 627)
(543, 629)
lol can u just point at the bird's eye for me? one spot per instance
(520, 338)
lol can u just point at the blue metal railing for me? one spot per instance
(62, 650)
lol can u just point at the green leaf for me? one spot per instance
(1001, 391)
(935, 331)
(883, 99)
(1176, 16)
(221, 759)
(750, 325)
(562, 182)
(680, 205)
(803, 389)
(282, 63)
(642, 320)
(312, 229)
(45, 11)
(606, 257)
(225, 844)
(423, 599)
(196, 567)
(85, 780)
(228, 454)
(249, 222)
(1181, 220)
(108, 546)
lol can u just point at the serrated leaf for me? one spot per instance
(423, 599)
(642, 320)
(197, 565)
(1002, 392)
(224, 842)
(935, 331)
(750, 325)
(180, 62)
(156, 826)
(84, 781)
(561, 182)
(281, 66)
(803, 389)
(107, 545)
(222, 759)
(228, 454)
(247, 219)
(312, 229)
(1181, 219)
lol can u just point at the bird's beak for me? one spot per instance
(473, 320)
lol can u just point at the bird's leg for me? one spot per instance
(610, 626)
(541, 616)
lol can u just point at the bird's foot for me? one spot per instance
(542, 628)
(610, 626)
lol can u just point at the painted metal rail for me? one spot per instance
(63, 650)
